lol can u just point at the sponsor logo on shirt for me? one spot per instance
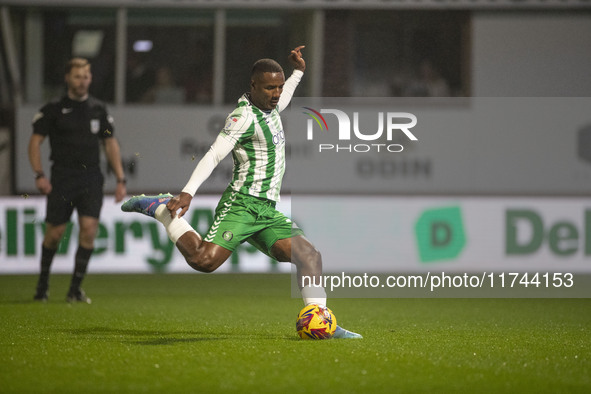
(278, 137)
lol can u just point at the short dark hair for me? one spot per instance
(265, 66)
(75, 63)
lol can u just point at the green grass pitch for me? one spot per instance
(235, 333)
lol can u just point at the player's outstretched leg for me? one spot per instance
(341, 333)
(145, 204)
(176, 228)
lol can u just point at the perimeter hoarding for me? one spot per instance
(126, 242)
(354, 234)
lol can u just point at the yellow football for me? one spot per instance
(316, 322)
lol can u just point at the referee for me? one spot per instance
(77, 124)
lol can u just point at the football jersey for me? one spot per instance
(75, 129)
(259, 149)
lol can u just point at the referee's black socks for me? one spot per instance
(46, 260)
(80, 266)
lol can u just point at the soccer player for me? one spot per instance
(77, 124)
(246, 212)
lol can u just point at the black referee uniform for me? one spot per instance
(75, 130)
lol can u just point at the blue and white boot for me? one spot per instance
(145, 204)
(341, 333)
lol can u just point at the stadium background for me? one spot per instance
(507, 190)
(506, 50)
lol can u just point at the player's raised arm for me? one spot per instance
(296, 59)
(299, 64)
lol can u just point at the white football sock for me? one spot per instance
(175, 227)
(314, 295)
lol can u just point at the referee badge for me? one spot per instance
(227, 236)
(95, 126)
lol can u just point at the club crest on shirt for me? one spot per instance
(95, 126)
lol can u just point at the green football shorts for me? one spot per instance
(240, 217)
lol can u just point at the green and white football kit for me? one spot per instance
(241, 217)
(246, 211)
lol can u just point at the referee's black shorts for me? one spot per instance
(74, 188)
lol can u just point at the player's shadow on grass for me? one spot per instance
(144, 337)
(156, 337)
(172, 341)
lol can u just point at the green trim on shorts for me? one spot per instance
(241, 217)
